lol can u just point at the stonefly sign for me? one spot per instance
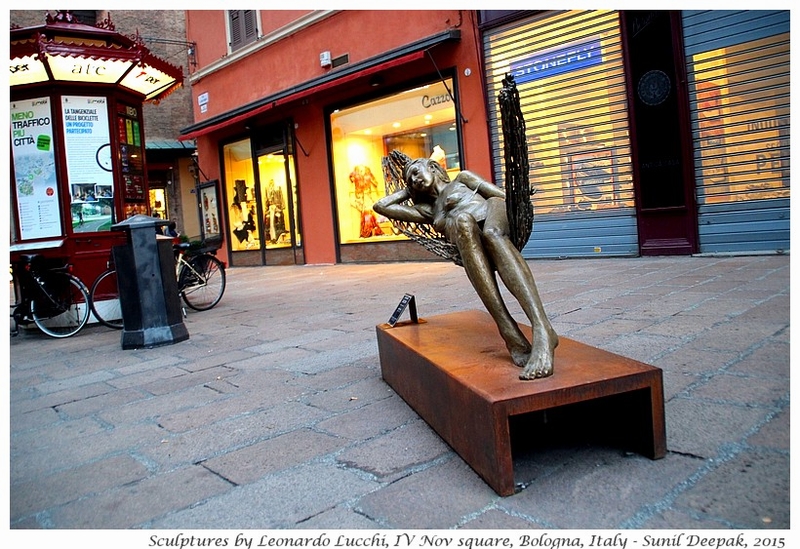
(557, 61)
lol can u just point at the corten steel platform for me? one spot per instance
(456, 373)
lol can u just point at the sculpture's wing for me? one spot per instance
(519, 207)
(423, 234)
(393, 166)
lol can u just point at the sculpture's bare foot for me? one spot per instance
(540, 362)
(540, 366)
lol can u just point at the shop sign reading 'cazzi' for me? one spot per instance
(428, 101)
(557, 61)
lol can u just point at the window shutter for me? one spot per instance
(250, 27)
(243, 27)
(234, 22)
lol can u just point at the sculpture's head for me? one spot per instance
(422, 177)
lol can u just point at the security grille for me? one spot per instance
(569, 72)
(738, 76)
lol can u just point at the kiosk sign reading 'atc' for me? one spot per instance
(557, 61)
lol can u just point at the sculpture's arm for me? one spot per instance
(485, 189)
(392, 207)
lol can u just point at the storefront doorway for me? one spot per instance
(663, 168)
(260, 193)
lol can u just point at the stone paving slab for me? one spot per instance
(273, 414)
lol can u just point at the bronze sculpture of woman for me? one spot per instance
(471, 213)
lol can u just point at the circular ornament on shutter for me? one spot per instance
(654, 87)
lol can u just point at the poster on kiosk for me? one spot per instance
(89, 169)
(35, 168)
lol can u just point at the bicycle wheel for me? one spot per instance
(202, 282)
(104, 298)
(65, 308)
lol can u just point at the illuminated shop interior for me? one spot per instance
(419, 122)
(258, 209)
(743, 129)
(575, 112)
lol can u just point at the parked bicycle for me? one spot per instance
(48, 295)
(201, 283)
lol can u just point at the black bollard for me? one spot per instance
(148, 289)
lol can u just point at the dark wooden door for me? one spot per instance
(660, 133)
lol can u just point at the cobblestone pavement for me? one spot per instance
(273, 414)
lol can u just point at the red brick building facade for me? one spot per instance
(307, 102)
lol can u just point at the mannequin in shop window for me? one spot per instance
(237, 224)
(250, 227)
(274, 221)
(439, 156)
(365, 190)
(244, 225)
(471, 213)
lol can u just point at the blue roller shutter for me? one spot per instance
(569, 71)
(738, 78)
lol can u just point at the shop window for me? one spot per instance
(240, 187)
(419, 122)
(275, 197)
(742, 121)
(242, 27)
(158, 202)
(259, 207)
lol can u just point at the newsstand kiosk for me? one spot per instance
(77, 138)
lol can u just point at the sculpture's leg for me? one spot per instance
(467, 236)
(517, 277)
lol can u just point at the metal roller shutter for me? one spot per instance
(569, 72)
(738, 76)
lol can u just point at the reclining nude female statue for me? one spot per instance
(471, 214)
